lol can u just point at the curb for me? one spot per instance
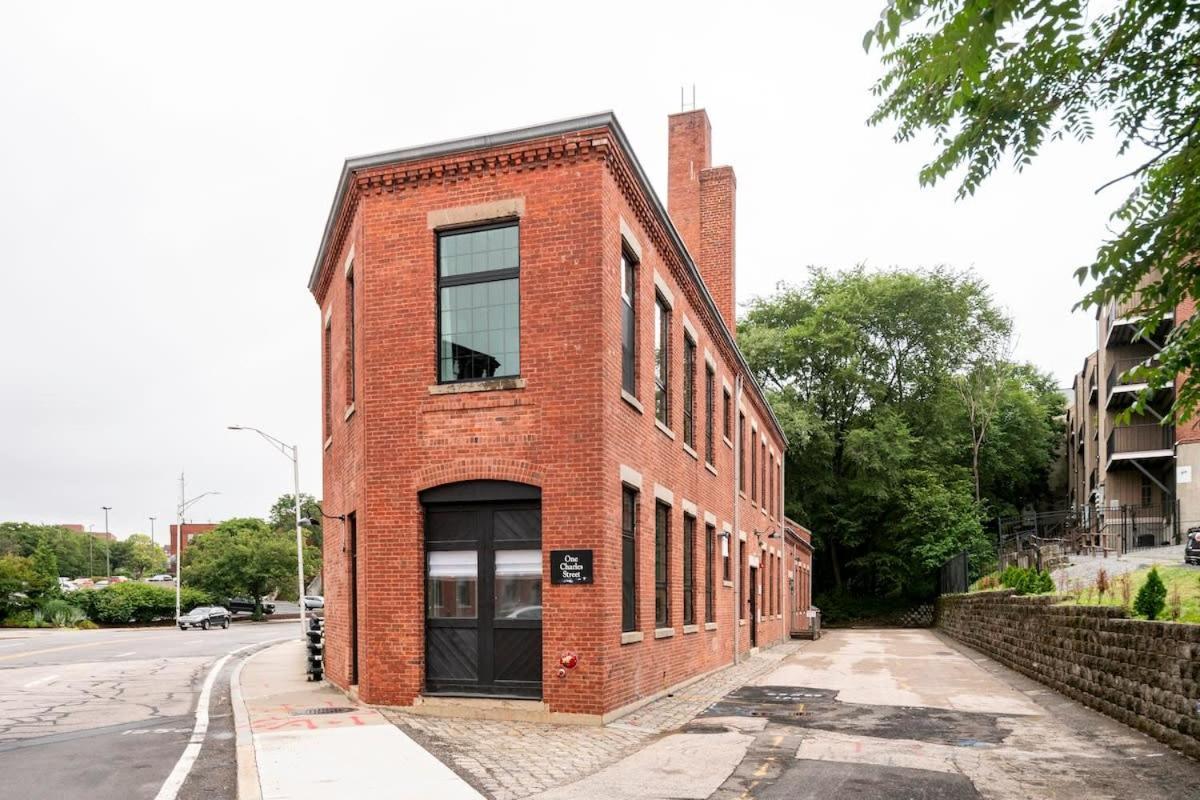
(248, 785)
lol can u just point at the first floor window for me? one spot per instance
(710, 544)
(479, 307)
(726, 569)
(741, 583)
(689, 570)
(662, 536)
(629, 507)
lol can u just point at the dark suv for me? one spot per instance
(1191, 547)
(245, 605)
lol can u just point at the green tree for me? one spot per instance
(866, 372)
(1152, 597)
(282, 516)
(18, 583)
(996, 81)
(45, 563)
(138, 556)
(70, 548)
(244, 557)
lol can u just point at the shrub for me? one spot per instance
(1175, 602)
(86, 625)
(1027, 581)
(20, 619)
(1102, 584)
(1126, 588)
(1152, 597)
(61, 614)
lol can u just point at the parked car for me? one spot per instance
(205, 617)
(161, 578)
(245, 605)
(67, 585)
(1191, 548)
(313, 602)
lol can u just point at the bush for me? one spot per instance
(21, 619)
(1152, 597)
(61, 614)
(1027, 581)
(123, 603)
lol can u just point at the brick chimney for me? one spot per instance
(701, 202)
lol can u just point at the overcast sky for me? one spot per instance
(166, 171)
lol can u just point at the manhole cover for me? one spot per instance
(308, 712)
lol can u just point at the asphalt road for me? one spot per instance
(108, 713)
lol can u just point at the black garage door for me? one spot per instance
(483, 589)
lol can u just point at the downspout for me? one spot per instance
(735, 548)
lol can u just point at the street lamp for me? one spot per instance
(107, 549)
(292, 452)
(183, 506)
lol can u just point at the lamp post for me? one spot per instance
(107, 549)
(183, 506)
(292, 452)
(152, 530)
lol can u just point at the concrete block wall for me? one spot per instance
(1144, 674)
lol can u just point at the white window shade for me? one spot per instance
(453, 564)
(514, 563)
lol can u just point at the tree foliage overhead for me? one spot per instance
(864, 371)
(997, 80)
(282, 516)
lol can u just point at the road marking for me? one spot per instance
(174, 782)
(59, 649)
(46, 679)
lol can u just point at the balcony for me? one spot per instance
(1145, 442)
(1121, 390)
(1092, 392)
(1125, 318)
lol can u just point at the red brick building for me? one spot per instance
(560, 482)
(190, 531)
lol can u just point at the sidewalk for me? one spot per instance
(293, 745)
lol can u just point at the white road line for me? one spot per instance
(122, 655)
(46, 679)
(174, 782)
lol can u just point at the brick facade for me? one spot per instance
(190, 531)
(564, 425)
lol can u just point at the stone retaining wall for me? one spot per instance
(1145, 674)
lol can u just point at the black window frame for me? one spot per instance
(741, 452)
(753, 464)
(629, 328)
(710, 545)
(689, 569)
(727, 414)
(662, 360)
(662, 565)
(327, 377)
(710, 385)
(689, 390)
(489, 276)
(629, 516)
(727, 558)
(351, 344)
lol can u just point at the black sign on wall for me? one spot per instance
(570, 566)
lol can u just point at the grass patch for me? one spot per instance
(1183, 593)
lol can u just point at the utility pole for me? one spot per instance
(107, 549)
(152, 531)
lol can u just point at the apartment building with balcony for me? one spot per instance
(1123, 474)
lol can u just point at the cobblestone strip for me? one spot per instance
(511, 760)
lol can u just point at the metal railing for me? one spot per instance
(1118, 372)
(1140, 438)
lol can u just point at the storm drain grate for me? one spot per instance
(308, 712)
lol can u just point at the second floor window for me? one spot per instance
(741, 452)
(628, 324)
(350, 336)
(479, 307)
(710, 380)
(689, 391)
(727, 414)
(662, 361)
(753, 466)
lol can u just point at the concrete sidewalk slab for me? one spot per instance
(310, 741)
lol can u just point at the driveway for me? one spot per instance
(875, 714)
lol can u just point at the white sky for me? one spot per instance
(165, 173)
